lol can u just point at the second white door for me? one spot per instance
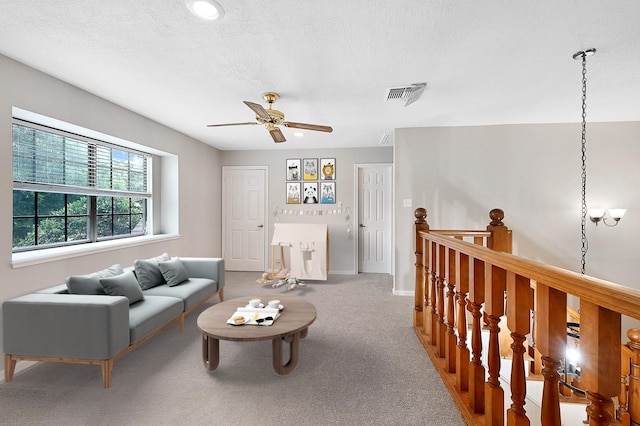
(374, 218)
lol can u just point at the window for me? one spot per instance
(69, 189)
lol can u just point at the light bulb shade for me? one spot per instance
(205, 9)
(617, 214)
(596, 213)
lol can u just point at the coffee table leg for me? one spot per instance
(210, 352)
(294, 344)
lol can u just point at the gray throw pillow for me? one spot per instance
(123, 285)
(148, 273)
(173, 272)
(90, 283)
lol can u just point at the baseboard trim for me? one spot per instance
(403, 293)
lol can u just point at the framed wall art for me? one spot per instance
(310, 169)
(327, 169)
(293, 169)
(327, 192)
(293, 192)
(310, 193)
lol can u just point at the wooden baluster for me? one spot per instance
(495, 286)
(533, 351)
(451, 338)
(623, 409)
(476, 369)
(433, 291)
(519, 321)
(551, 342)
(599, 409)
(462, 352)
(634, 375)
(426, 310)
(420, 225)
(442, 325)
(600, 367)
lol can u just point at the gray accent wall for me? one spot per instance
(342, 249)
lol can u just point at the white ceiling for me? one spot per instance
(486, 62)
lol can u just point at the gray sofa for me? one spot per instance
(97, 318)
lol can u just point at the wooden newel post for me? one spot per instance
(634, 375)
(500, 239)
(421, 277)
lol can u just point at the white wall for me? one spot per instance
(199, 176)
(342, 259)
(533, 173)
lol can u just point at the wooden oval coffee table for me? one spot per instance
(291, 326)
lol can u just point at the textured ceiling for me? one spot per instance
(489, 62)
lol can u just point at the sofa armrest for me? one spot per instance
(205, 267)
(66, 326)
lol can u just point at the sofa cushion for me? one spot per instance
(149, 314)
(90, 283)
(173, 271)
(191, 291)
(147, 271)
(123, 285)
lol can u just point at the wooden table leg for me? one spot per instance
(210, 352)
(294, 344)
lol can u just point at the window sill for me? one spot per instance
(19, 260)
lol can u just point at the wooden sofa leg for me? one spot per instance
(221, 295)
(181, 323)
(9, 367)
(107, 371)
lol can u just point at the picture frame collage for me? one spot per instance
(309, 181)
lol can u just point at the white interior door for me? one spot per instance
(374, 218)
(244, 220)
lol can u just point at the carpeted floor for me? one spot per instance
(361, 364)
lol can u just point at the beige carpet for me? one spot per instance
(361, 364)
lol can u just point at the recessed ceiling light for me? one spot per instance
(298, 134)
(205, 9)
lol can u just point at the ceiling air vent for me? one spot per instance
(407, 94)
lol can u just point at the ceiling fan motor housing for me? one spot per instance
(276, 116)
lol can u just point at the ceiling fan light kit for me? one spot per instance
(271, 118)
(205, 9)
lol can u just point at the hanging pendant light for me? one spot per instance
(582, 55)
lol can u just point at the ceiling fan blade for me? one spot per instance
(231, 124)
(260, 112)
(305, 126)
(277, 135)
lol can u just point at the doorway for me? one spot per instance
(243, 218)
(375, 217)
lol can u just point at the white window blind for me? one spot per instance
(50, 160)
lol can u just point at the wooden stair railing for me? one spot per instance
(458, 282)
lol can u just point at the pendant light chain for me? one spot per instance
(583, 222)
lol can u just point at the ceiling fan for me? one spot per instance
(271, 118)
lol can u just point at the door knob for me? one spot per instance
(260, 226)
(362, 226)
